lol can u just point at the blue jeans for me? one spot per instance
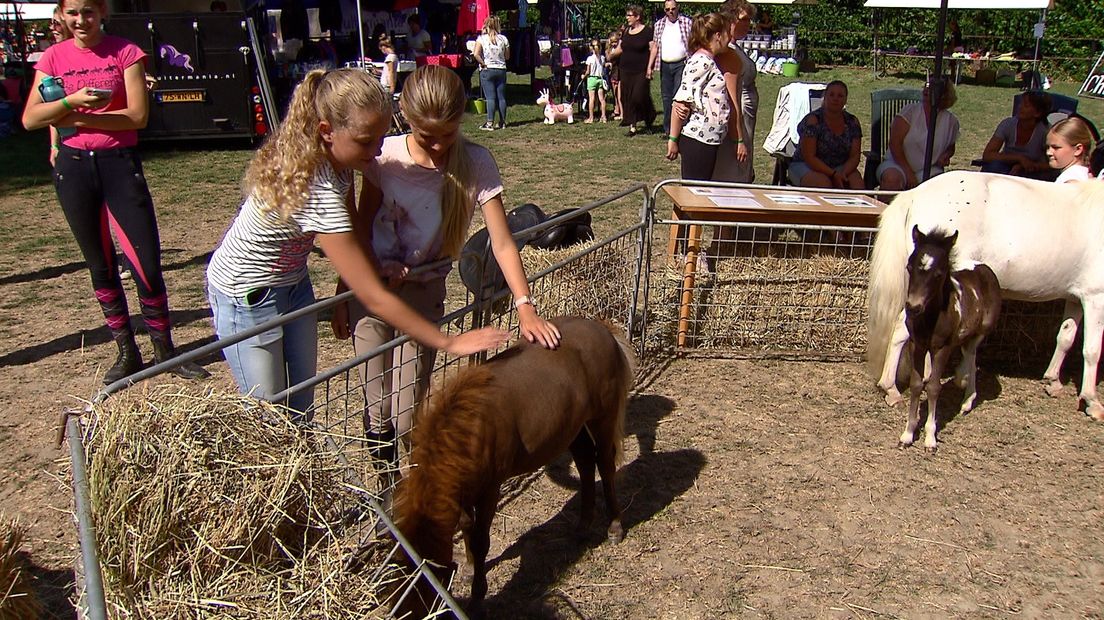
(493, 82)
(670, 78)
(279, 358)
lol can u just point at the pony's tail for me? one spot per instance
(627, 379)
(887, 289)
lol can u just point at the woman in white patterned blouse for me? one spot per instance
(703, 89)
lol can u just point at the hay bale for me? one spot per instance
(17, 597)
(598, 285)
(815, 302)
(209, 503)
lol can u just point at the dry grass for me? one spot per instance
(17, 597)
(212, 504)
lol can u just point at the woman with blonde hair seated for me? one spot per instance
(903, 167)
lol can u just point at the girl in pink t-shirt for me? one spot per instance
(99, 176)
(417, 203)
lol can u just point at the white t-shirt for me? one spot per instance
(407, 229)
(672, 47)
(387, 76)
(418, 43)
(494, 52)
(1076, 172)
(595, 65)
(260, 250)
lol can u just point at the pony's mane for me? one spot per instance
(448, 442)
(937, 235)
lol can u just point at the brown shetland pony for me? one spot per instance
(507, 417)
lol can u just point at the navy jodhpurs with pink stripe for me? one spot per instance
(105, 189)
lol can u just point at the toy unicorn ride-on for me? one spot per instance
(555, 111)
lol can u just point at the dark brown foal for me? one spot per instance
(944, 310)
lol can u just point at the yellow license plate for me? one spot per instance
(182, 96)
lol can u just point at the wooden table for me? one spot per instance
(754, 206)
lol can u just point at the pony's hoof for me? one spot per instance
(894, 398)
(930, 448)
(1095, 411)
(1053, 389)
(901, 445)
(616, 533)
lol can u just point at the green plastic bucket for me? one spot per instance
(789, 69)
(477, 106)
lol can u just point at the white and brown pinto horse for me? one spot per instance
(1043, 241)
(944, 310)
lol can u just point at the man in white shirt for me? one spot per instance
(672, 36)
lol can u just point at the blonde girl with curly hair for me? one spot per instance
(299, 188)
(418, 202)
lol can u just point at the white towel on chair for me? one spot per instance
(792, 106)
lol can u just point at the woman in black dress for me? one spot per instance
(632, 54)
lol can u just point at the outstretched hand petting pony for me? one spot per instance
(555, 111)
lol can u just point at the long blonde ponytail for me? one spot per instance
(431, 95)
(281, 171)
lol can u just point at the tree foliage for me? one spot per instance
(842, 31)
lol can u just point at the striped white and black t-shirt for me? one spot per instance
(260, 250)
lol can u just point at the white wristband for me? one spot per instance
(521, 301)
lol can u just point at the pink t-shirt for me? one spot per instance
(407, 229)
(99, 67)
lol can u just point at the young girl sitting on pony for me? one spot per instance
(300, 187)
(417, 204)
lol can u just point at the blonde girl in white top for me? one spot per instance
(299, 189)
(417, 205)
(1069, 143)
(703, 89)
(492, 50)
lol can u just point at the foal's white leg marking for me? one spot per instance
(968, 367)
(939, 362)
(888, 380)
(1094, 327)
(1066, 334)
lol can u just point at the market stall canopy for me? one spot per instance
(960, 4)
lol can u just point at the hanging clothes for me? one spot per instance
(472, 15)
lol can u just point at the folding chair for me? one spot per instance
(884, 106)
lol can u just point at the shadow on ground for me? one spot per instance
(646, 486)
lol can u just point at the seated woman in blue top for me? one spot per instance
(830, 146)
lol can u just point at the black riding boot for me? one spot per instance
(129, 360)
(382, 448)
(163, 350)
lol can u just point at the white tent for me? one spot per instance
(26, 11)
(960, 4)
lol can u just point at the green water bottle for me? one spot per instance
(51, 90)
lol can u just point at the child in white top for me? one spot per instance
(703, 89)
(1069, 143)
(418, 201)
(390, 64)
(596, 80)
(300, 187)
